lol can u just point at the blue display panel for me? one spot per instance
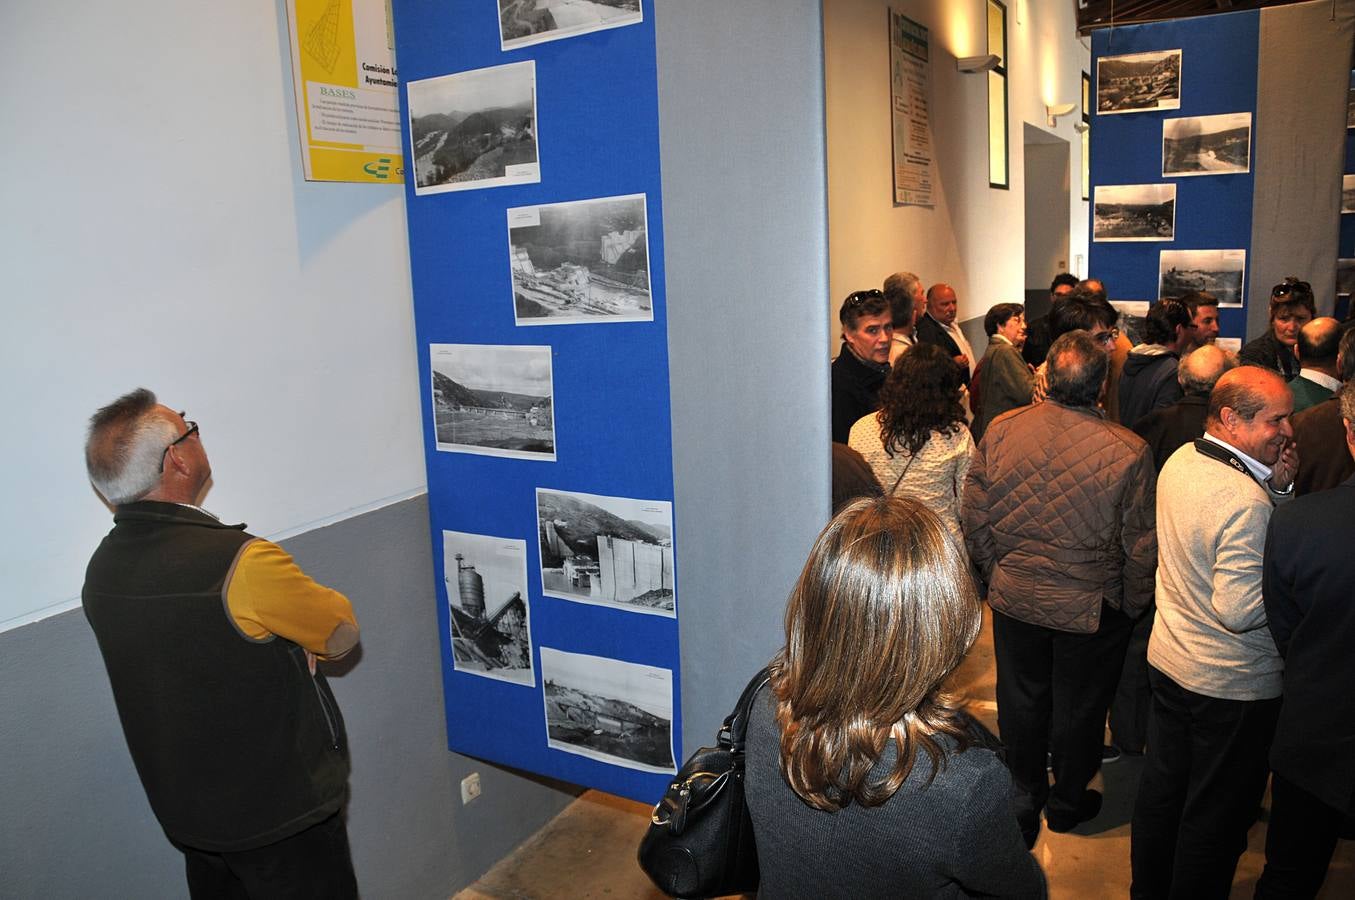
(1213, 212)
(543, 357)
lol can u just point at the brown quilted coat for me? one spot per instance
(1059, 513)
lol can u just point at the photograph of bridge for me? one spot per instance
(609, 710)
(494, 400)
(1138, 82)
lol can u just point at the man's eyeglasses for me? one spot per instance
(192, 430)
(1106, 337)
(1290, 286)
(856, 298)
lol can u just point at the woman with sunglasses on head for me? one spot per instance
(1291, 307)
(864, 778)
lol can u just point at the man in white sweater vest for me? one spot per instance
(1215, 672)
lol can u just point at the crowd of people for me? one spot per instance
(1157, 526)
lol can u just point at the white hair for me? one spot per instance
(125, 450)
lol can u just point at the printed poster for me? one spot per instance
(909, 90)
(347, 90)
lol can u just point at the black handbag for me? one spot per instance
(700, 838)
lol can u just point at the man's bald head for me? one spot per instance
(942, 304)
(1249, 408)
(1319, 342)
(1201, 369)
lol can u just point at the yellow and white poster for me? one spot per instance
(347, 90)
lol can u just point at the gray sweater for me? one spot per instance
(956, 837)
(1210, 633)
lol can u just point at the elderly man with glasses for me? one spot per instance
(210, 637)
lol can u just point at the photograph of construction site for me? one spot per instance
(585, 261)
(1218, 272)
(610, 551)
(493, 400)
(488, 612)
(1207, 145)
(612, 711)
(474, 129)
(526, 22)
(1138, 82)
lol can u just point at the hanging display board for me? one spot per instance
(1171, 172)
(536, 251)
(347, 107)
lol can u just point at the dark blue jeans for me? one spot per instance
(1203, 778)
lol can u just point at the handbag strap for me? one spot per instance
(735, 727)
(901, 474)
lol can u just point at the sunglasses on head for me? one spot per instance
(856, 298)
(1289, 287)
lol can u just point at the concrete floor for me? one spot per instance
(588, 851)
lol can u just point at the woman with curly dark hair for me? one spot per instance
(917, 444)
(864, 776)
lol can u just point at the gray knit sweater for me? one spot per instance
(1210, 633)
(955, 837)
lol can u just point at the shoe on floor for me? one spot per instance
(1086, 810)
(1109, 754)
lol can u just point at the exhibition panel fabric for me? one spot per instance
(536, 252)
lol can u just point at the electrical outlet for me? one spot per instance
(470, 787)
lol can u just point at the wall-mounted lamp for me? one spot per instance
(1058, 109)
(1081, 127)
(975, 64)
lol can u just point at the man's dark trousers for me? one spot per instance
(313, 863)
(1300, 839)
(1053, 688)
(1203, 779)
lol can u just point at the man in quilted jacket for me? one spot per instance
(1058, 516)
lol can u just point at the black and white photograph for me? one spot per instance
(1348, 193)
(1134, 212)
(1138, 82)
(1132, 314)
(1350, 101)
(1220, 272)
(579, 262)
(488, 612)
(1207, 145)
(474, 129)
(609, 551)
(494, 400)
(526, 22)
(605, 709)
(1345, 285)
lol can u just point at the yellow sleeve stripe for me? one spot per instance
(267, 594)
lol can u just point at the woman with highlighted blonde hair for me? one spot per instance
(864, 776)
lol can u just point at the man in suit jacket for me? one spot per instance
(1308, 582)
(1320, 435)
(1317, 348)
(938, 327)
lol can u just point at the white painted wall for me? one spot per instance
(156, 231)
(974, 236)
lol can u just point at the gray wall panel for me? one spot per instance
(1300, 140)
(745, 235)
(75, 823)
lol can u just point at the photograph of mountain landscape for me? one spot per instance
(609, 551)
(612, 711)
(1217, 271)
(525, 22)
(488, 613)
(1138, 82)
(474, 129)
(1207, 145)
(585, 261)
(1134, 212)
(494, 400)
